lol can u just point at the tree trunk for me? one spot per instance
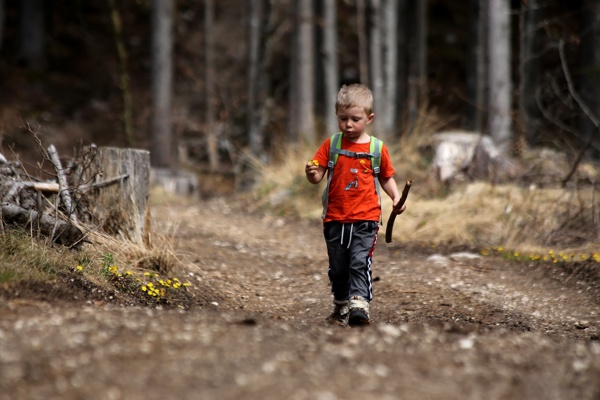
(361, 32)
(531, 48)
(500, 85)
(476, 82)
(32, 34)
(123, 74)
(390, 23)
(255, 23)
(402, 68)
(589, 80)
(162, 85)
(212, 131)
(376, 66)
(1, 22)
(306, 71)
(417, 76)
(330, 61)
(120, 209)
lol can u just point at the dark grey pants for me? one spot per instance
(350, 248)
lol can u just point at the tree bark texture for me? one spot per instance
(162, 82)
(500, 84)
(402, 67)
(361, 33)
(306, 72)
(212, 133)
(589, 79)
(376, 65)
(331, 63)
(531, 50)
(121, 209)
(255, 26)
(417, 74)
(390, 23)
(123, 74)
(476, 81)
(1, 22)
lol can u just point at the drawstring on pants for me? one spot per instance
(349, 238)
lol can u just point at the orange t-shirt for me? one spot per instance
(352, 192)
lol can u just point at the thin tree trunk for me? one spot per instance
(376, 59)
(293, 97)
(499, 74)
(306, 73)
(1, 22)
(162, 85)
(123, 74)
(402, 69)
(391, 67)
(209, 81)
(476, 65)
(589, 81)
(330, 60)
(361, 32)
(417, 78)
(531, 47)
(254, 59)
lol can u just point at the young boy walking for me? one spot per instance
(357, 167)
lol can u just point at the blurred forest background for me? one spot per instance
(207, 84)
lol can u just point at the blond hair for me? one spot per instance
(354, 95)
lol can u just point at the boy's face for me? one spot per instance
(353, 121)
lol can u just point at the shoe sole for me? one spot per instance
(358, 318)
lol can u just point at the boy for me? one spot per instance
(351, 204)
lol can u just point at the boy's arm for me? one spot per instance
(314, 173)
(390, 187)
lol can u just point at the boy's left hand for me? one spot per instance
(397, 210)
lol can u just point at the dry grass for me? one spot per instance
(143, 274)
(524, 218)
(31, 259)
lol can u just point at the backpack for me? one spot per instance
(335, 149)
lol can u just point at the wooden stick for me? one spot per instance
(62, 182)
(55, 187)
(390, 224)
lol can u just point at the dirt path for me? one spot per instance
(447, 325)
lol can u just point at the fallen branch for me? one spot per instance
(55, 187)
(58, 231)
(62, 181)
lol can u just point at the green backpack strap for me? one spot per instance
(375, 149)
(335, 144)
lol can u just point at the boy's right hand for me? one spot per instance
(312, 167)
(314, 171)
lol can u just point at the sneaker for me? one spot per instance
(340, 312)
(359, 311)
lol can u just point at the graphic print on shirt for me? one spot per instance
(354, 182)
